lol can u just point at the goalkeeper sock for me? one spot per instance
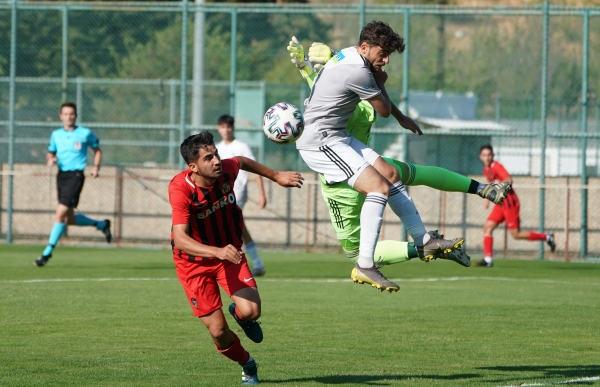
(435, 177)
(390, 252)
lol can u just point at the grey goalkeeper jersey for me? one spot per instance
(344, 81)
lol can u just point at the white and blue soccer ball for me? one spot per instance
(283, 123)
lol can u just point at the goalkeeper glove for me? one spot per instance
(319, 54)
(299, 59)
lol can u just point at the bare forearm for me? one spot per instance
(97, 157)
(191, 247)
(385, 95)
(397, 113)
(259, 183)
(252, 166)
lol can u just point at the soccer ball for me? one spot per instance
(283, 123)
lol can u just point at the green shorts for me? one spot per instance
(344, 205)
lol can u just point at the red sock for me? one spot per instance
(236, 352)
(537, 236)
(488, 246)
(237, 313)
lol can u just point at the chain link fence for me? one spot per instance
(145, 75)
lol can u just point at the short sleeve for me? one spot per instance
(180, 200)
(231, 166)
(500, 172)
(92, 140)
(52, 145)
(362, 83)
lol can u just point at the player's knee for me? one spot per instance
(392, 175)
(219, 333)
(249, 310)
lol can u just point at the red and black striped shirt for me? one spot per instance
(211, 213)
(497, 172)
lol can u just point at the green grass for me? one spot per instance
(519, 322)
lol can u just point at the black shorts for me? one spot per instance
(69, 185)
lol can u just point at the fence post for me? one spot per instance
(11, 118)
(544, 92)
(172, 98)
(65, 40)
(182, 94)
(362, 14)
(405, 91)
(198, 67)
(498, 109)
(233, 56)
(584, 118)
(79, 98)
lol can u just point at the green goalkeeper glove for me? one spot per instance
(319, 54)
(299, 59)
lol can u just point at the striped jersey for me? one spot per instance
(211, 213)
(345, 80)
(497, 172)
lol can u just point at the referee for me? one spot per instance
(68, 148)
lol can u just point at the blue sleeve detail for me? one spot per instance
(92, 140)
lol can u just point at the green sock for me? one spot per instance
(390, 252)
(434, 177)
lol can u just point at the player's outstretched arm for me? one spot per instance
(284, 179)
(185, 243)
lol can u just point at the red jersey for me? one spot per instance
(211, 213)
(497, 172)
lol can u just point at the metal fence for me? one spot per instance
(145, 75)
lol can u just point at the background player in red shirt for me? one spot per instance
(207, 239)
(507, 211)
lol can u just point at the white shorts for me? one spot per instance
(341, 160)
(241, 198)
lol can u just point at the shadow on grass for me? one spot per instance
(549, 372)
(378, 380)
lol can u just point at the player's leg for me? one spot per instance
(239, 284)
(229, 345)
(513, 223)
(345, 204)
(258, 266)
(80, 219)
(448, 181)
(403, 206)
(338, 162)
(494, 219)
(56, 233)
(203, 294)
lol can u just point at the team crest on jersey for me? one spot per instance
(77, 145)
(195, 303)
(226, 188)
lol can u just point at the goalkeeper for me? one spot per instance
(345, 203)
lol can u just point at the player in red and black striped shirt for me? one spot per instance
(507, 211)
(207, 239)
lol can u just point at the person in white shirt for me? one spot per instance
(228, 148)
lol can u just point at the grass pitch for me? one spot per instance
(118, 317)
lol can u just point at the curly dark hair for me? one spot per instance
(190, 147)
(378, 33)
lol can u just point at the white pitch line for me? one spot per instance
(313, 280)
(579, 380)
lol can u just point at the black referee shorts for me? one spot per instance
(69, 185)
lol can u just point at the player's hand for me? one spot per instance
(262, 201)
(229, 253)
(289, 179)
(95, 172)
(297, 53)
(50, 161)
(319, 54)
(407, 123)
(380, 76)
